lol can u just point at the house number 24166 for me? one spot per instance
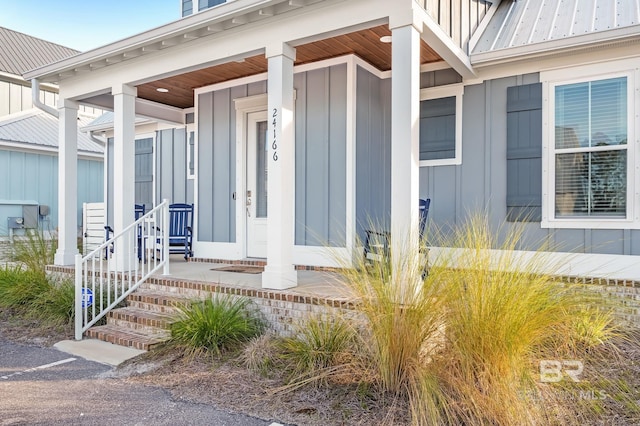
(274, 145)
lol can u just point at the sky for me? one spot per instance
(86, 24)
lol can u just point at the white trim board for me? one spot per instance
(584, 265)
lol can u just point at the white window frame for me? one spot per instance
(593, 72)
(447, 91)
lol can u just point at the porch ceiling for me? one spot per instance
(365, 44)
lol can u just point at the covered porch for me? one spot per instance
(259, 47)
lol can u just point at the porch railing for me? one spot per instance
(113, 270)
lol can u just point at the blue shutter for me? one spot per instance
(144, 172)
(524, 153)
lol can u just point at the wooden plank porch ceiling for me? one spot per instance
(365, 44)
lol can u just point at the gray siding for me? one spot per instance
(320, 194)
(373, 153)
(216, 164)
(481, 182)
(29, 176)
(171, 167)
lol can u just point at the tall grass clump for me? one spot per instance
(402, 330)
(320, 347)
(214, 325)
(463, 344)
(505, 313)
(19, 287)
(35, 251)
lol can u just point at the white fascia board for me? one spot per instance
(570, 44)
(528, 65)
(160, 112)
(222, 47)
(173, 29)
(46, 150)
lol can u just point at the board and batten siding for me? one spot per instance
(216, 148)
(488, 180)
(171, 167)
(15, 97)
(373, 153)
(459, 19)
(31, 176)
(320, 150)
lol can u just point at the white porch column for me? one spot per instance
(67, 183)
(405, 140)
(124, 98)
(279, 272)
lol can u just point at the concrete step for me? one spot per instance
(126, 337)
(140, 320)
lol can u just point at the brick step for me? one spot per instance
(125, 337)
(184, 289)
(156, 301)
(140, 320)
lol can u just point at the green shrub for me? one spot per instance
(55, 306)
(214, 325)
(19, 287)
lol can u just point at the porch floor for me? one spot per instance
(324, 284)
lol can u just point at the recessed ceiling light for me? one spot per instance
(385, 39)
(162, 90)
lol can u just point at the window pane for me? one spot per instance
(261, 169)
(596, 112)
(591, 184)
(438, 128)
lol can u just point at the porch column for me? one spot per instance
(405, 142)
(67, 183)
(279, 272)
(124, 98)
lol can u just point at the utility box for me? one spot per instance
(30, 216)
(15, 223)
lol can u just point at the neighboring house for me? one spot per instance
(29, 140)
(309, 125)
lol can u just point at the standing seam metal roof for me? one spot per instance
(20, 53)
(527, 22)
(37, 128)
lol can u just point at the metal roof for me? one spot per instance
(20, 52)
(529, 22)
(35, 129)
(105, 122)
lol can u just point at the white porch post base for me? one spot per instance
(67, 183)
(278, 278)
(279, 272)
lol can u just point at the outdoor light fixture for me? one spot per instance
(385, 39)
(162, 90)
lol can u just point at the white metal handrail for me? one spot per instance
(115, 269)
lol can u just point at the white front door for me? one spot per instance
(256, 196)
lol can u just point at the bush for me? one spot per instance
(20, 287)
(55, 306)
(214, 325)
